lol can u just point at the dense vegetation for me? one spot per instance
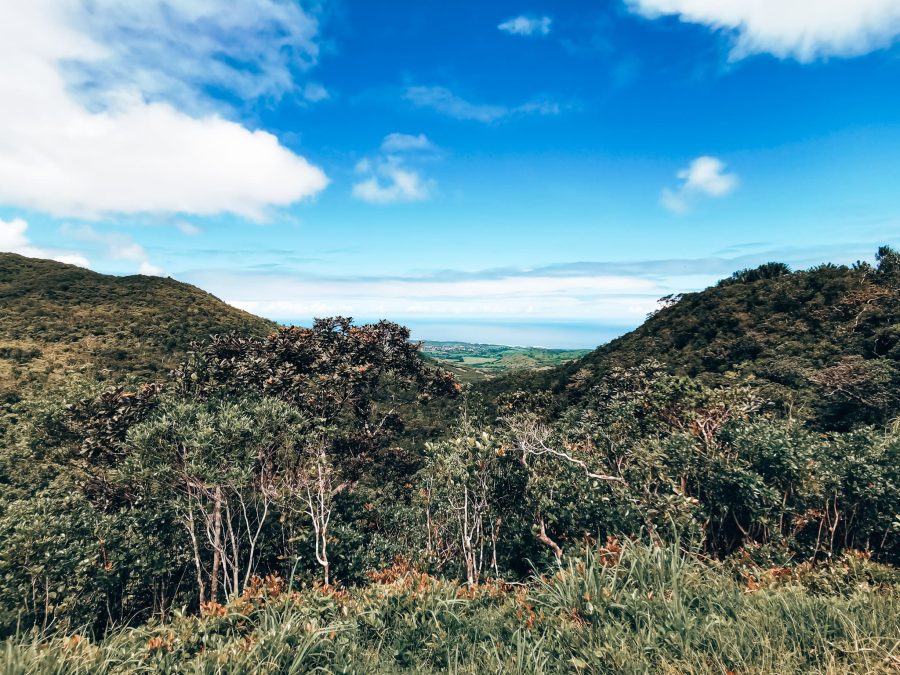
(55, 318)
(823, 344)
(779, 326)
(719, 490)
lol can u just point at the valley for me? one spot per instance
(471, 362)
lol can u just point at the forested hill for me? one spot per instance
(830, 330)
(55, 318)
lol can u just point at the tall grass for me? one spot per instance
(624, 608)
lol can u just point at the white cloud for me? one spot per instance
(515, 297)
(799, 29)
(539, 108)
(150, 270)
(526, 25)
(674, 201)
(14, 239)
(446, 102)
(118, 247)
(398, 142)
(705, 176)
(388, 178)
(388, 181)
(131, 151)
(189, 229)
(177, 50)
(72, 259)
(315, 92)
(620, 292)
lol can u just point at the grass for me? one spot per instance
(629, 608)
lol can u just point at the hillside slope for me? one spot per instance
(55, 318)
(830, 332)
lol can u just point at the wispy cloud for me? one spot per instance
(117, 247)
(178, 51)
(705, 176)
(14, 239)
(188, 228)
(398, 142)
(446, 102)
(527, 25)
(519, 297)
(313, 92)
(613, 292)
(800, 30)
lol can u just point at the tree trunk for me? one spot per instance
(542, 536)
(190, 526)
(216, 543)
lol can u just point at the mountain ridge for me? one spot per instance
(56, 317)
(829, 330)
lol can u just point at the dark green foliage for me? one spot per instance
(771, 270)
(242, 459)
(824, 344)
(56, 318)
(334, 370)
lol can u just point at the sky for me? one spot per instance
(518, 171)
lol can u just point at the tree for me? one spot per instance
(249, 424)
(888, 263)
(218, 462)
(349, 382)
(460, 478)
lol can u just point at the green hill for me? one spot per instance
(55, 318)
(829, 333)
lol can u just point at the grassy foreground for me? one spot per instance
(629, 608)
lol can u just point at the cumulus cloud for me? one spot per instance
(129, 149)
(117, 247)
(705, 176)
(388, 181)
(388, 178)
(526, 25)
(446, 102)
(149, 269)
(14, 239)
(804, 31)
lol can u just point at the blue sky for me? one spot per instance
(520, 172)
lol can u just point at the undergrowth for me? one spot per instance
(622, 608)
